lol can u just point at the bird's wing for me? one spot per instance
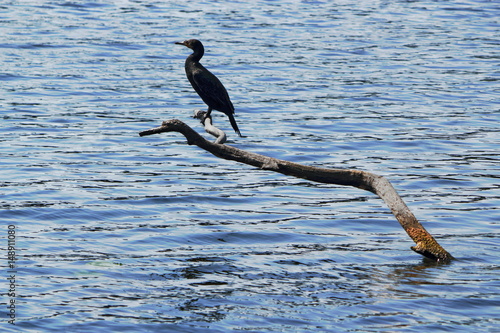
(212, 91)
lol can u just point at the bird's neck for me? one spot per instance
(197, 54)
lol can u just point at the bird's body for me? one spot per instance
(207, 85)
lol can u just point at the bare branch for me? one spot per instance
(209, 128)
(426, 245)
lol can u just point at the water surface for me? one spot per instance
(121, 233)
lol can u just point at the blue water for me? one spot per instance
(121, 233)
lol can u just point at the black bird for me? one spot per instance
(207, 85)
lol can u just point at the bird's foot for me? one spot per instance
(200, 114)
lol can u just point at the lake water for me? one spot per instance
(120, 233)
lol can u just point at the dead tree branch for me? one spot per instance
(209, 128)
(426, 245)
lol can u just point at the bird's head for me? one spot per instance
(191, 43)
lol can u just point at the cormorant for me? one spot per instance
(207, 85)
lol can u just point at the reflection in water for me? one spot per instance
(221, 289)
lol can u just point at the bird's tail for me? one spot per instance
(233, 123)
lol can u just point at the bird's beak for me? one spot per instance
(180, 43)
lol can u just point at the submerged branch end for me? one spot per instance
(427, 245)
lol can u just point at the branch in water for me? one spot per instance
(426, 245)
